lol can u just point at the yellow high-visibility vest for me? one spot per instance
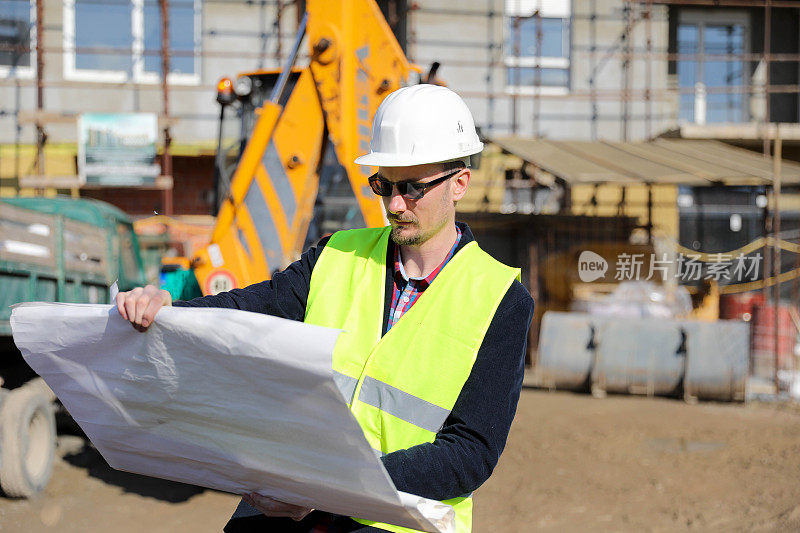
(401, 387)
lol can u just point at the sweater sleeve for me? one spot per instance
(285, 295)
(466, 450)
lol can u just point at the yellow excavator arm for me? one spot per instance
(315, 123)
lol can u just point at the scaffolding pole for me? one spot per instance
(490, 104)
(648, 15)
(626, 71)
(517, 68)
(166, 158)
(593, 66)
(776, 250)
(766, 56)
(537, 73)
(41, 136)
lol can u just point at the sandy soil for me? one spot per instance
(573, 463)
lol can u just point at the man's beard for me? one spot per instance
(415, 238)
(405, 240)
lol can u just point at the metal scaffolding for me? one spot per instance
(622, 53)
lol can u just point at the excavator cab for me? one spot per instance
(335, 207)
(238, 102)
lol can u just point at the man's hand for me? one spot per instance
(271, 507)
(140, 305)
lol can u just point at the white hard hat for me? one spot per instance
(421, 124)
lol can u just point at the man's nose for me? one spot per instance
(397, 203)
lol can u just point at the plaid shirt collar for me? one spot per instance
(401, 278)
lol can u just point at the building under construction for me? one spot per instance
(636, 111)
(557, 69)
(554, 69)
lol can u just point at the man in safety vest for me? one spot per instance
(432, 354)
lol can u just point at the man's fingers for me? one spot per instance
(140, 305)
(272, 507)
(143, 302)
(130, 303)
(298, 516)
(156, 302)
(265, 503)
(121, 304)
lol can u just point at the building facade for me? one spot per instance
(558, 69)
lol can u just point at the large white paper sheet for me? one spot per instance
(225, 399)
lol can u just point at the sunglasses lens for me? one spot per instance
(411, 191)
(380, 186)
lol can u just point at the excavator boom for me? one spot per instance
(295, 180)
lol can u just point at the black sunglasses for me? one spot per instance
(412, 190)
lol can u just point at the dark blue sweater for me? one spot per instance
(467, 448)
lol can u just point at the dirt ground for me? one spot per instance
(573, 463)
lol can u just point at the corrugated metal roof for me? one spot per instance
(661, 161)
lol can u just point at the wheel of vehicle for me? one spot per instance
(27, 441)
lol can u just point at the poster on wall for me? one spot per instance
(118, 149)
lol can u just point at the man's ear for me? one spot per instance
(459, 184)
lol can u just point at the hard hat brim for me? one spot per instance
(384, 159)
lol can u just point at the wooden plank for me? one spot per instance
(51, 117)
(46, 117)
(73, 264)
(27, 216)
(609, 155)
(731, 160)
(83, 228)
(12, 257)
(682, 170)
(83, 244)
(84, 256)
(18, 232)
(663, 161)
(58, 182)
(161, 183)
(85, 248)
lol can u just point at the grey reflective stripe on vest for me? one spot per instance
(346, 384)
(244, 509)
(403, 405)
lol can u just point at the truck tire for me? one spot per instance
(27, 441)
